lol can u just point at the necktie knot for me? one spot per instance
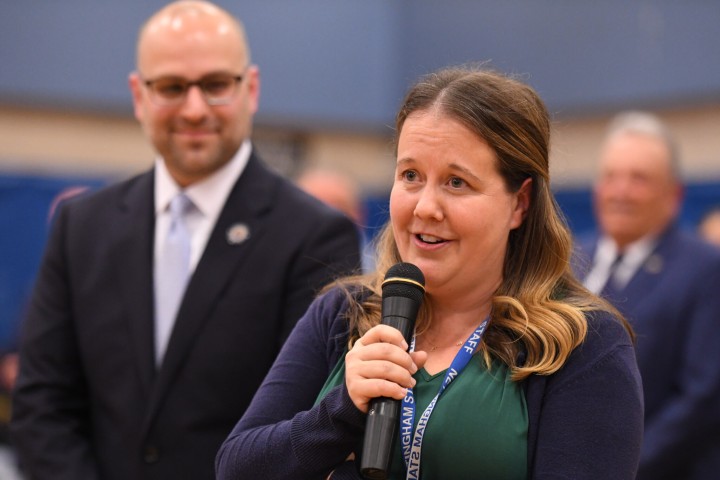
(180, 205)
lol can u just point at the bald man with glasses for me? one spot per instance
(162, 301)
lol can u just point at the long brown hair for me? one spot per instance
(539, 308)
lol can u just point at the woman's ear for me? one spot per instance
(522, 203)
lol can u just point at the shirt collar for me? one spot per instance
(209, 194)
(635, 253)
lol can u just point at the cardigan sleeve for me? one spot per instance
(282, 435)
(586, 420)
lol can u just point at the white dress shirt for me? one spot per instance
(208, 196)
(633, 257)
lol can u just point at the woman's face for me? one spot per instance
(450, 210)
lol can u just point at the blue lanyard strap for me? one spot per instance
(412, 443)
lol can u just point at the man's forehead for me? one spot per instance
(630, 151)
(191, 27)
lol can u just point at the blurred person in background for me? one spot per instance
(709, 226)
(667, 284)
(340, 191)
(162, 301)
(335, 189)
(8, 371)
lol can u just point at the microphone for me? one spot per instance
(402, 293)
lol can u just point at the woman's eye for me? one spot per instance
(409, 175)
(456, 182)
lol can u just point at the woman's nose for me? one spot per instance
(429, 204)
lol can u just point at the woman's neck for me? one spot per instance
(446, 333)
(456, 315)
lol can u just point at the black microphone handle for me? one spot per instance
(400, 312)
(384, 413)
(380, 429)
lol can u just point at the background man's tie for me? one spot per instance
(172, 270)
(611, 287)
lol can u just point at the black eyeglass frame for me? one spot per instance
(187, 85)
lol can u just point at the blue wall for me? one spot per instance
(577, 206)
(348, 62)
(25, 201)
(24, 209)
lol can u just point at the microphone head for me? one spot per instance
(404, 280)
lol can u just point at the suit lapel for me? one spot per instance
(135, 226)
(231, 240)
(643, 282)
(647, 276)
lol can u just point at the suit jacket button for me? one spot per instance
(151, 454)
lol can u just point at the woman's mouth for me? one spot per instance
(431, 239)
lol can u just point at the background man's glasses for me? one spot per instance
(218, 89)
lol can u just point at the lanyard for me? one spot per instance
(412, 443)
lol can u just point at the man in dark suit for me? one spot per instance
(110, 386)
(667, 283)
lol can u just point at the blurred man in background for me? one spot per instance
(709, 226)
(341, 192)
(667, 283)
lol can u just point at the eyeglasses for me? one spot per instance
(218, 89)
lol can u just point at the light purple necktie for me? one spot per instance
(172, 270)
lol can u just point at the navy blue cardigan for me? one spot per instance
(585, 421)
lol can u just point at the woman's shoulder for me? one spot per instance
(605, 331)
(327, 317)
(606, 350)
(594, 395)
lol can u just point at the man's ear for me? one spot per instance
(253, 79)
(135, 84)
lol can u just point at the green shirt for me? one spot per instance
(478, 429)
